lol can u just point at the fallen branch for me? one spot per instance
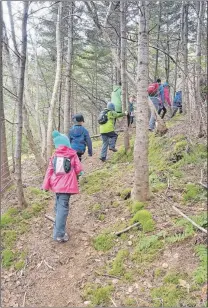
(113, 302)
(23, 304)
(49, 266)
(49, 218)
(204, 185)
(127, 229)
(189, 219)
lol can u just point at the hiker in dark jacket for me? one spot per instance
(79, 136)
(177, 103)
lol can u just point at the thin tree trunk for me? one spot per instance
(18, 149)
(5, 179)
(176, 69)
(67, 104)
(140, 190)
(158, 39)
(56, 83)
(123, 8)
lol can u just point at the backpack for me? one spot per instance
(103, 118)
(178, 97)
(61, 165)
(153, 89)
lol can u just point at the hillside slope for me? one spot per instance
(161, 263)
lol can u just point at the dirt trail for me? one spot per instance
(55, 273)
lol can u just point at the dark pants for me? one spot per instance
(109, 139)
(61, 210)
(164, 111)
(175, 109)
(130, 119)
(80, 155)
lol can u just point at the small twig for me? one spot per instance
(113, 302)
(106, 275)
(24, 298)
(49, 266)
(39, 264)
(127, 229)
(49, 218)
(204, 185)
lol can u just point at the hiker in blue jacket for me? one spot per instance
(177, 103)
(79, 136)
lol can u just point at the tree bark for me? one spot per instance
(67, 104)
(158, 39)
(123, 33)
(140, 190)
(56, 83)
(18, 148)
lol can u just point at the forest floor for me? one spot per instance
(161, 264)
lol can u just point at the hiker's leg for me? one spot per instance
(131, 120)
(104, 149)
(55, 209)
(80, 156)
(61, 215)
(180, 109)
(112, 141)
(152, 121)
(164, 112)
(128, 119)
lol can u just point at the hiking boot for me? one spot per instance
(151, 130)
(113, 149)
(103, 159)
(63, 239)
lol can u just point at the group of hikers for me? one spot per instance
(65, 168)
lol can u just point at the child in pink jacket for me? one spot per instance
(61, 178)
(166, 104)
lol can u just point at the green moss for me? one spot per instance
(200, 274)
(19, 265)
(145, 218)
(168, 295)
(103, 242)
(9, 217)
(35, 191)
(121, 156)
(159, 272)
(36, 208)
(129, 301)
(115, 204)
(180, 146)
(9, 238)
(95, 181)
(129, 276)
(126, 193)
(98, 295)
(95, 208)
(193, 193)
(101, 217)
(118, 268)
(137, 206)
(172, 278)
(8, 257)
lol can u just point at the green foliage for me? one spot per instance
(137, 206)
(126, 193)
(156, 183)
(9, 238)
(158, 272)
(200, 275)
(101, 217)
(118, 268)
(95, 208)
(9, 217)
(98, 295)
(172, 278)
(36, 191)
(7, 257)
(147, 242)
(95, 181)
(145, 218)
(19, 265)
(193, 193)
(103, 242)
(121, 156)
(168, 295)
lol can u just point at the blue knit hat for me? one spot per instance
(60, 139)
(110, 106)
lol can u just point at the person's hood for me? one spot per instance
(77, 130)
(115, 88)
(64, 151)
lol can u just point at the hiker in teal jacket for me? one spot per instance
(107, 131)
(116, 98)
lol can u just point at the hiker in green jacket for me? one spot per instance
(107, 130)
(116, 98)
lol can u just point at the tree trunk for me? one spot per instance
(158, 39)
(123, 8)
(18, 148)
(67, 104)
(56, 83)
(5, 179)
(140, 190)
(184, 37)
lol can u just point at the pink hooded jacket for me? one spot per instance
(66, 183)
(167, 95)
